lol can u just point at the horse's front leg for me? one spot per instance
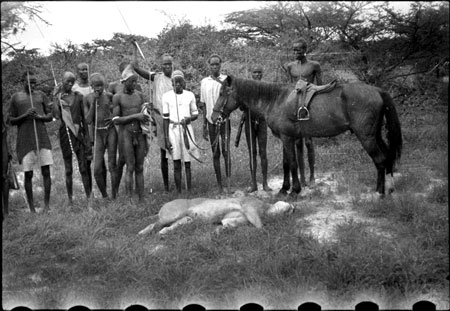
(311, 158)
(286, 174)
(300, 161)
(289, 148)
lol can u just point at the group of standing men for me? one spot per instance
(96, 118)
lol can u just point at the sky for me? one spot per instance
(84, 21)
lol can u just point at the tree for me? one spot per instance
(378, 38)
(14, 18)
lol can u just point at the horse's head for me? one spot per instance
(226, 102)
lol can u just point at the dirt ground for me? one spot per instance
(327, 207)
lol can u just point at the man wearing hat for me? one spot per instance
(161, 82)
(179, 109)
(256, 131)
(117, 86)
(114, 88)
(127, 107)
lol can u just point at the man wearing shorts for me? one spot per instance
(29, 111)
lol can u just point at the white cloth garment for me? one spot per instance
(209, 93)
(186, 108)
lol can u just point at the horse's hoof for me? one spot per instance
(371, 196)
(292, 196)
(282, 193)
(267, 188)
(252, 189)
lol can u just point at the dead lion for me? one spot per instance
(231, 212)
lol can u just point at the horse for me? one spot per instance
(356, 107)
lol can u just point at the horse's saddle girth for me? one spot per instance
(304, 92)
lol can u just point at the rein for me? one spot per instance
(215, 143)
(188, 134)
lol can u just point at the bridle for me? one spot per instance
(220, 110)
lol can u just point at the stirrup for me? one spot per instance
(305, 117)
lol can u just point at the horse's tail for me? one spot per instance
(394, 132)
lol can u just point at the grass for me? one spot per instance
(74, 257)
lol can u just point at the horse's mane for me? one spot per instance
(249, 90)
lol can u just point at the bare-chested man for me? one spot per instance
(73, 133)
(29, 111)
(303, 68)
(114, 88)
(83, 86)
(161, 83)
(127, 107)
(309, 71)
(105, 135)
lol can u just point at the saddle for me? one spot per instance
(304, 91)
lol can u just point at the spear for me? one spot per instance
(67, 129)
(250, 125)
(149, 77)
(34, 121)
(181, 142)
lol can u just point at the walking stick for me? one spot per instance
(67, 129)
(34, 122)
(252, 164)
(91, 198)
(227, 144)
(149, 78)
(95, 132)
(150, 95)
(150, 98)
(181, 142)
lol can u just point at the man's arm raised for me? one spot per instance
(142, 72)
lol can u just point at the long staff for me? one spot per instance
(252, 164)
(181, 141)
(34, 121)
(150, 100)
(95, 130)
(227, 143)
(60, 104)
(149, 77)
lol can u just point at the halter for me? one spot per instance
(222, 115)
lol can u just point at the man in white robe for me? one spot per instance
(179, 110)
